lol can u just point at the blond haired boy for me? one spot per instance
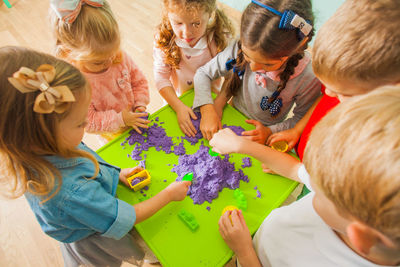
(352, 216)
(355, 51)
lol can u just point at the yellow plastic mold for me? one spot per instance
(144, 175)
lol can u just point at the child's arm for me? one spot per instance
(226, 141)
(236, 235)
(176, 191)
(162, 74)
(291, 136)
(183, 112)
(214, 69)
(221, 100)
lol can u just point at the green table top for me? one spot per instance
(170, 239)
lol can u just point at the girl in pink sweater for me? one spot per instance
(88, 36)
(190, 34)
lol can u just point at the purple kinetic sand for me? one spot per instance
(211, 174)
(236, 129)
(208, 208)
(180, 149)
(142, 163)
(258, 194)
(156, 137)
(136, 180)
(246, 162)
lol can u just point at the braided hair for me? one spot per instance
(259, 31)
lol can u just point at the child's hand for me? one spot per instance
(184, 113)
(259, 134)
(266, 169)
(134, 120)
(140, 109)
(125, 173)
(177, 191)
(291, 136)
(235, 233)
(210, 122)
(226, 142)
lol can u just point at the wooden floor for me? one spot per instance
(22, 243)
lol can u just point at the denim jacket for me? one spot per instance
(83, 206)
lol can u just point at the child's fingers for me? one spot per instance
(186, 130)
(143, 121)
(235, 218)
(186, 183)
(250, 133)
(136, 129)
(274, 139)
(139, 114)
(191, 127)
(142, 125)
(135, 170)
(254, 122)
(192, 115)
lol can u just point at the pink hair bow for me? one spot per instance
(68, 10)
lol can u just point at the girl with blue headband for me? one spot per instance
(267, 71)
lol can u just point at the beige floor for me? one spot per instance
(22, 243)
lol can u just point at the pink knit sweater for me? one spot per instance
(122, 86)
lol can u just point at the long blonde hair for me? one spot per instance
(95, 32)
(26, 136)
(221, 27)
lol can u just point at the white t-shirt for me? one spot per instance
(295, 235)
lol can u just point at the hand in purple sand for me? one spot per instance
(185, 115)
(135, 120)
(210, 122)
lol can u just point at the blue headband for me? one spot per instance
(289, 20)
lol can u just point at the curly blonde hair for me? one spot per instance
(26, 136)
(221, 28)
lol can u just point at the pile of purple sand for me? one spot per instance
(196, 123)
(211, 174)
(155, 137)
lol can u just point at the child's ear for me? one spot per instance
(364, 237)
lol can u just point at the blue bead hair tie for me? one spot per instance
(290, 20)
(230, 65)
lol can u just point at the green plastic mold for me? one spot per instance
(188, 219)
(240, 199)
